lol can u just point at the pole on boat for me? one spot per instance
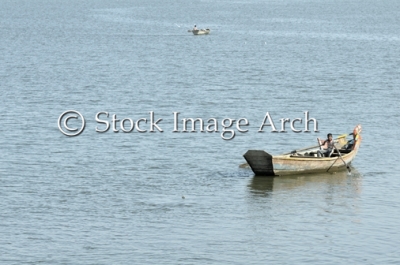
(340, 155)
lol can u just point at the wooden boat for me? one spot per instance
(199, 31)
(306, 160)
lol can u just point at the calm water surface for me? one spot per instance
(181, 198)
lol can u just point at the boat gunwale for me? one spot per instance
(308, 158)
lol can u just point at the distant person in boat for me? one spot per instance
(194, 28)
(327, 146)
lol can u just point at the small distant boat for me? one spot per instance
(199, 31)
(306, 160)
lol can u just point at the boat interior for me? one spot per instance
(343, 147)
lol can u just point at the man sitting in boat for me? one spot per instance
(194, 28)
(327, 146)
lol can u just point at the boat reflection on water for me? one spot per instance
(307, 209)
(266, 186)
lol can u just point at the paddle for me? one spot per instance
(343, 135)
(340, 155)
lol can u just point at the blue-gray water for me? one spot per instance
(181, 198)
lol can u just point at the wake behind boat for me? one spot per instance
(306, 160)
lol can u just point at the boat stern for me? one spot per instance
(260, 162)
